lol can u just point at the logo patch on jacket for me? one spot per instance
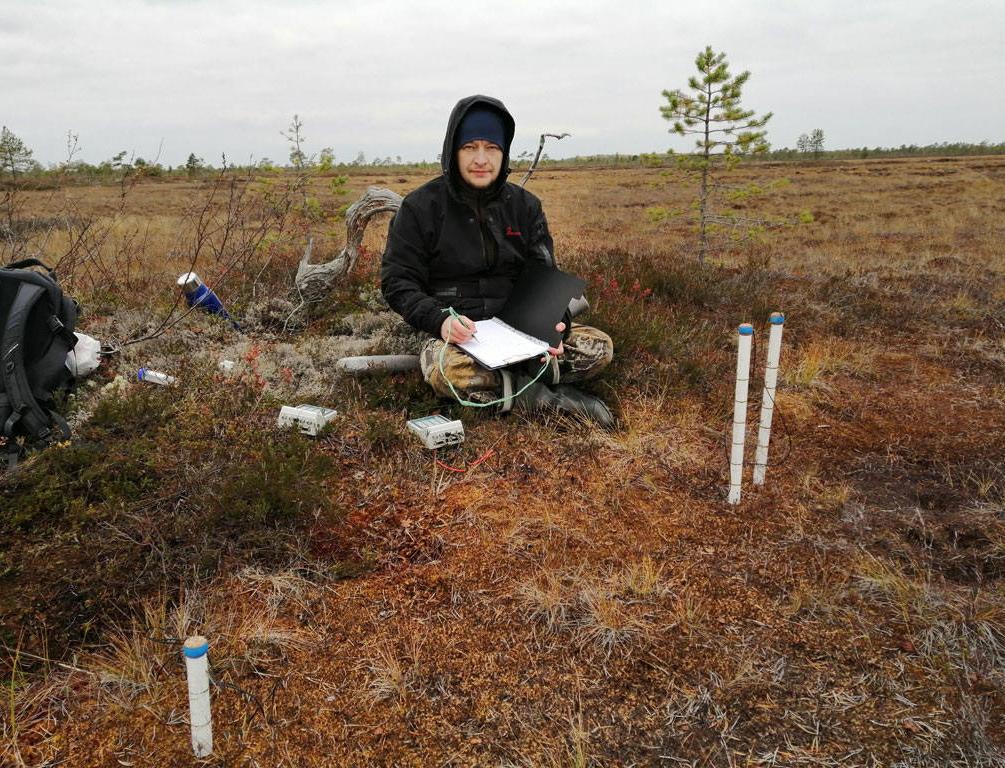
(510, 232)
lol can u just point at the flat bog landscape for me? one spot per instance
(547, 593)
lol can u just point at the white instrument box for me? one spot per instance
(309, 419)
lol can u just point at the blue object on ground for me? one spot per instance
(197, 293)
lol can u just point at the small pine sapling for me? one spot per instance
(725, 131)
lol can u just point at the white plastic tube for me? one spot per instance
(197, 669)
(777, 321)
(377, 364)
(155, 377)
(746, 336)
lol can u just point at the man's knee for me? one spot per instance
(457, 368)
(588, 351)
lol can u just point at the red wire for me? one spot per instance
(484, 457)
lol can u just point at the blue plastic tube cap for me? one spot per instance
(746, 329)
(777, 318)
(195, 647)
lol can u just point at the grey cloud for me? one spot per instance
(381, 76)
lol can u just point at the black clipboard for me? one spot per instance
(538, 301)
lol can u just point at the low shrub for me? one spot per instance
(163, 485)
(666, 309)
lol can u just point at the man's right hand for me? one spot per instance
(457, 331)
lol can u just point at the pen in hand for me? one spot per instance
(458, 333)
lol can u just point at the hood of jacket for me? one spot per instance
(448, 158)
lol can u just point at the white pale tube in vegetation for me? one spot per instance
(377, 364)
(196, 652)
(155, 377)
(746, 336)
(777, 321)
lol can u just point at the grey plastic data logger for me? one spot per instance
(437, 431)
(309, 419)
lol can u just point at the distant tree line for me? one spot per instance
(940, 149)
(19, 168)
(662, 159)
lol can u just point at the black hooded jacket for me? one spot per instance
(452, 245)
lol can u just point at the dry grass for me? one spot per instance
(687, 612)
(606, 622)
(643, 579)
(394, 675)
(600, 613)
(909, 597)
(817, 362)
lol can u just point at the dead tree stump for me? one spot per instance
(314, 280)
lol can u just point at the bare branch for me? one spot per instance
(540, 148)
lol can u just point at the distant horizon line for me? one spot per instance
(118, 160)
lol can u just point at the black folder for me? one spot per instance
(538, 301)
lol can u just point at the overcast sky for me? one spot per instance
(380, 76)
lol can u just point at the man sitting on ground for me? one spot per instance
(461, 240)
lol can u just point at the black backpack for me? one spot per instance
(36, 333)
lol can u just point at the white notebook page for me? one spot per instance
(496, 344)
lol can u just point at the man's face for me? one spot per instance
(479, 162)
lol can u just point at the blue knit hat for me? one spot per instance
(480, 123)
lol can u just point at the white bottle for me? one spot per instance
(155, 377)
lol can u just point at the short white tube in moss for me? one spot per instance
(377, 364)
(746, 336)
(777, 321)
(196, 651)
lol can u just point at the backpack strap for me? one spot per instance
(28, 263)
(4, 414)
(24, 409)
(58, 328)
(12, 451)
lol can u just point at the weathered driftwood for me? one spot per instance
(314, 280)
(537, 157)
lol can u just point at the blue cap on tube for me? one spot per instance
(195, 650)
(746, 329)
(777, 318)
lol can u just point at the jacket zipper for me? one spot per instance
(481, 232)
